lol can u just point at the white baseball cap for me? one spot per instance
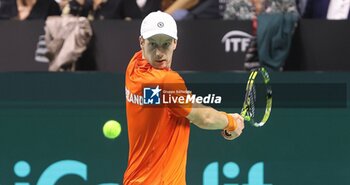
(158, 23)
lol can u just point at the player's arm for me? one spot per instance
(208, 118)
(203, 116)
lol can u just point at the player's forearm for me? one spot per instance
(181, 4)
(207, 118)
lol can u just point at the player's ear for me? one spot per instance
(142, 42)
(175, 44)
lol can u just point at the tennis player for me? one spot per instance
(159, 135)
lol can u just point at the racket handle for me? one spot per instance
(225, 134)
(247, 118)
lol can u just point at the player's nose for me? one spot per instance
(159, 54)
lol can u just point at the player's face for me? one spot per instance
(158, 50)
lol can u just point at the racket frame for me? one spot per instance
(245, 113)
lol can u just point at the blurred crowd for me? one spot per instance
(179, 9)
(68, 33)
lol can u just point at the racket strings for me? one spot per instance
(252, 98)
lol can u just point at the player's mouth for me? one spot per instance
(160, 61)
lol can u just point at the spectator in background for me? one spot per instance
(249, 9)
(126, 9)
(106, 9)
(28, 9)
(239, 10)
(316, 9)
(179, 9)
(138, 9)
(338, 10)
(94, 9)
(327, 9)
(75, 7)
(280, 6)
(273, 24)
(68, 36)
(205, 9)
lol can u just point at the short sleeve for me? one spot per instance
(176, 96)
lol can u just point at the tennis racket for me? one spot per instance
(249, 110)
(260, 77)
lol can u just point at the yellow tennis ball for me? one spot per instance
(112, 129)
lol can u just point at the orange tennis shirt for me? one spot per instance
(158, 134)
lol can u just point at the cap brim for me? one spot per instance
(149, 34)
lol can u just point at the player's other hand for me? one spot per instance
(238, 131)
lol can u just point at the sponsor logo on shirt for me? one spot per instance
(157, 96)
(151, 96)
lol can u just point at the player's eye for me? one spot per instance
(153, 44)
(166, 44)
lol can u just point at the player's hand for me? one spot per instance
(238, 131)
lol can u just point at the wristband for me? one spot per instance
(232, 125)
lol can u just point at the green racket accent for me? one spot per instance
(248, 110)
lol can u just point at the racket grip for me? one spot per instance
(226, 133)
(247, 118)
(228, 136)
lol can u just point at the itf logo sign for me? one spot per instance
(151, 96)
(236, 41)
(231, 170)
